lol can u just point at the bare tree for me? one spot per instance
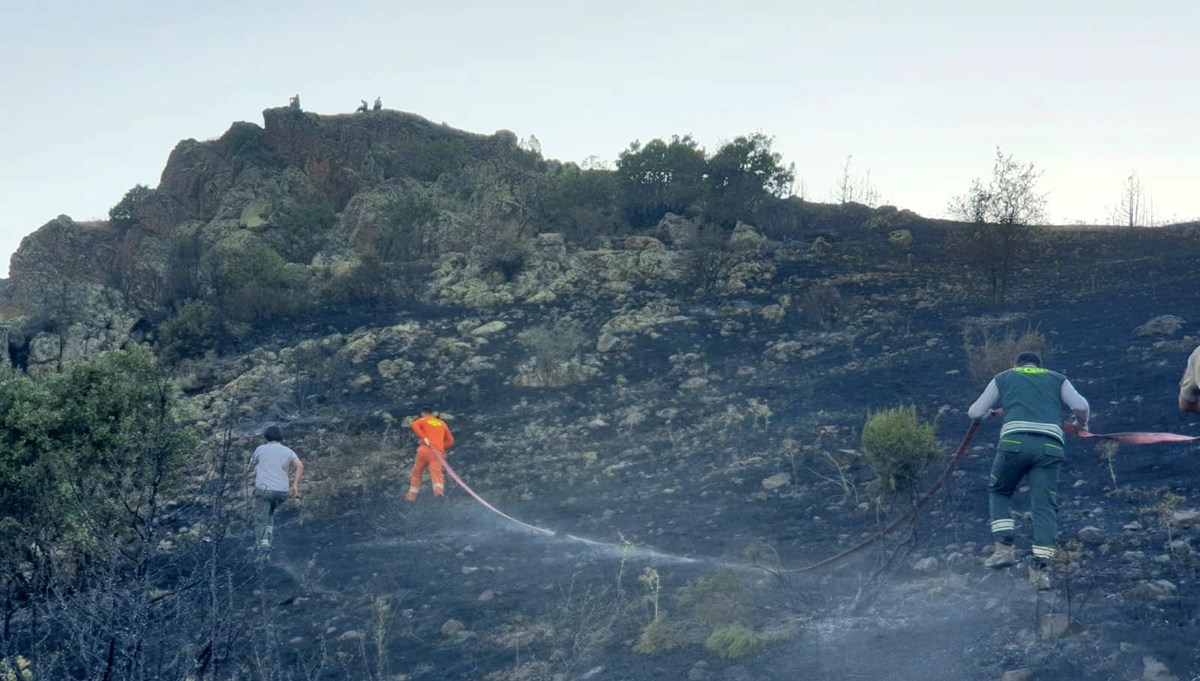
(1135, 208)
(1006, 213)
(855, 188)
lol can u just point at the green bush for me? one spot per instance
(899, 448)
(301, 232)
(989, 354)
(86, 456)
(735, 641)
(254, 285)
(124, 214)
(191, 332)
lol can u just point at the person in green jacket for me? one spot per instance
(1030, 399)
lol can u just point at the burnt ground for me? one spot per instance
(673, 481)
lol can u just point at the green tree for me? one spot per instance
(255, 285)
(124, 215)
(660, 178)
(1005, 214)
(741, 175)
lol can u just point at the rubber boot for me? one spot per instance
(1004, 555)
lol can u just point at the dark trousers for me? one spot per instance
(1040, 457)
(265, 503)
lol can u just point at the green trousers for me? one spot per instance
(1040, 457)
(265, 503)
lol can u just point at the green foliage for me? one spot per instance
(741, 175)
(899, 448)
(988, 354)
(408, 229)
(255, 286)
(581, 204)
(659, 636)
(660, 178)
(85, 456)
(735, 641)
(717, 600)
(302, 231)
(124, 215)
(191, 332)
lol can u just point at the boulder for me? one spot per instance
(1162, 325)
(642, 243)
(1153, 670)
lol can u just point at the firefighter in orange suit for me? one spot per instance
(432, 434)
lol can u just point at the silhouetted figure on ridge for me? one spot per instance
(294, 102)
(362, 108)
(378, 104)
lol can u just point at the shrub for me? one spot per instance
(554, 349)
(708, 266)
(254, 285)
(988, 355)
(302, 231)
(735, 641)
(898, 448)
(719, 599)
(124, 214)
(822, 304)
(191, 332)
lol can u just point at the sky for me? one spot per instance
(919, 94)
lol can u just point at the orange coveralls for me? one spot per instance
(437, 433)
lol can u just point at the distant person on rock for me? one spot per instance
(1030, 399)
(294, 102)
(1189, 385)
(272, 463)
(378, 103)
(433, 437)
(362, 108)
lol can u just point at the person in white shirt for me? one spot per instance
(272, 463)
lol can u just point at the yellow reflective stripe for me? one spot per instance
(1030, 370)
(1043, 551)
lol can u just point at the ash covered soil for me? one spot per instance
(665, 458)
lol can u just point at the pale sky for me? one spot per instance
(93, 96)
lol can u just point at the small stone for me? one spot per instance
(1017, 675)
(694, 383)
(1091, 535)
(486, 596)
(1132, 527)
(607, 342)
(453, 628)
(489, 329)
(1153, 670)
(927, 565)
(597, 423)
(1162, 325)
(352, 635)
(1054, 626)
(1151, 590)
(1132, 556)
(776, 481)
(1179, 547)
(1186, 518)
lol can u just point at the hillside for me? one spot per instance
(685, 388)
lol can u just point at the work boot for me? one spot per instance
(1039, 576)
(1004, 555)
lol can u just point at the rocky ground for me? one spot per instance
(699, 439)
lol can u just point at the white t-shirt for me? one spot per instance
(271, 462)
